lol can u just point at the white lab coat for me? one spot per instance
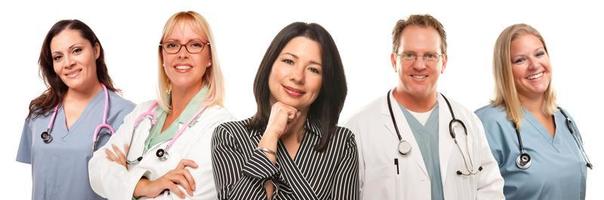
(113, 181)
(378, 147)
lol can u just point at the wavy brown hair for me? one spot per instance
(55, 88)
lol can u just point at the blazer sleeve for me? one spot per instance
(346, 183)
(200, 152)
(237, 176)
(490, 182)
(109, 179)
(353, 125)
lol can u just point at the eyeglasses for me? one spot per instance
(427, 57)
(193, 46)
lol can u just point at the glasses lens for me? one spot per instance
(171, 47)
(195, 46)
(408, 56)
(430, 57)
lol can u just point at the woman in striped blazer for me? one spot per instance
(291, 148)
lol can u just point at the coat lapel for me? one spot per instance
(404, 130)
(445, 141)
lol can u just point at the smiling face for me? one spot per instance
(530, 66)
(183, 68)
(296, 75)
(74, 59)
(418, 77)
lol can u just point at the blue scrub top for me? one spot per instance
(558, 170)
(60, 168)
(426, 137)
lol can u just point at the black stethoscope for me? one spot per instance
(524, 160)
(161, 153)
(404, 147)
(47, 134)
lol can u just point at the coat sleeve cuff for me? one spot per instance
(260, 167)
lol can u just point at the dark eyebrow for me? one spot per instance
(291, 54)
(76, 44)
(296, 57)
(70, 47)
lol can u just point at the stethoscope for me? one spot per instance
(404, 147)
(161, 153)
(47, 135)
(524, 160)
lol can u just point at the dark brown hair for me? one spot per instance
(56, 89)
(325, 110)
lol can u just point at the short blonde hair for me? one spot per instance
(212, 77)
(506, 93)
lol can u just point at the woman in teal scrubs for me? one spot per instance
(540, 152)
(74, 116)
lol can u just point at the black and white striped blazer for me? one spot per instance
(240, 171)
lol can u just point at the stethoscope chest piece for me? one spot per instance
(162, 154)
(404, 147)
(46, 137)
(524, 161)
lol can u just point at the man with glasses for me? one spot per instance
(413, 142)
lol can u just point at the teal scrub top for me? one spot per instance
(157, 136)
(427, 140)
(558, 170)
(60, 168)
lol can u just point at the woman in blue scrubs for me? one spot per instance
(75, 115)
(540, 152)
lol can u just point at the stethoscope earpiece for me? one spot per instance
(524, 161)
(161, 154)
(46, 137)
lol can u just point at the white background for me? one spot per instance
(130, 31)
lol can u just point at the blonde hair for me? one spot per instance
(506, 93)
(212, 78)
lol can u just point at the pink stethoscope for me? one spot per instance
(47, 137)
(161, 153)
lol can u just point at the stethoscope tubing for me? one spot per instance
(150, 114)
(468, 163)
(47, 135)
(526, 162)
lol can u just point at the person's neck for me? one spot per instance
(296, 129)
(415, 103)
(83, 94)
(533, 104)
(181, 96)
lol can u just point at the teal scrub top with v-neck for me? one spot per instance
(426, 137)
(558, 170)
(60, 168)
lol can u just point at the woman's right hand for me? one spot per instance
(278, 121)
(169, 181)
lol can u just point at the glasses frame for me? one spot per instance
(406, 59)
(186, 45)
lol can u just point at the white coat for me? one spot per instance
(377, 142)
(113, 181)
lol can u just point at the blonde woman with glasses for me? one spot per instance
(163, 149)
